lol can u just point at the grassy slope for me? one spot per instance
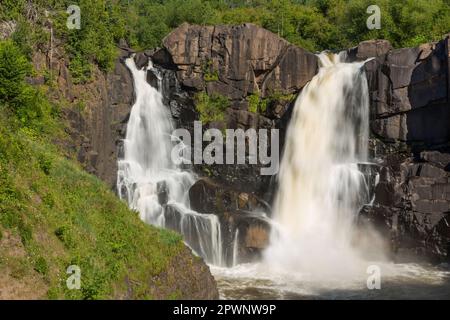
(53, 214)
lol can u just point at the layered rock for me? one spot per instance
(412, 206)
(241, 63)
(408, 92)
(245, 59)
(410, 126)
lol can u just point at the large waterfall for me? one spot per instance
(146, 173)
(321, 187)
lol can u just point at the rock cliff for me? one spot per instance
(410, 125)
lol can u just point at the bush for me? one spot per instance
(211, 107)
(14, 66)
(26, 102)
(40, 265)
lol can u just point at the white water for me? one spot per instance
(321, 188)
(398, 281)
(316, 251)
(236, 248)
(317, 232)
(147, 162)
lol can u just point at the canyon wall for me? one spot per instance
(410, 126)
(250, 66)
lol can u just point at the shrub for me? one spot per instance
(26, 102)
(211, 107)
(13, 69)
(40, 265)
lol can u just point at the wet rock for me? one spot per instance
(412, 205)
(253, 235)
(163, 192)
(441, 160)
(413, 235)
(141, 60)
(207, 196)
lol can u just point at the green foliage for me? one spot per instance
(253, 102)
(279, 96)
(85, 225)
(209, 73)
(211, 107)
(41, 266)
(27, 103)
(312, 24)
(170, 238)
(13, 69)
(11, 9)
(102, 25)
(22, 37)
(256, 103)
(63, 215)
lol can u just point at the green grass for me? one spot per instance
(65, 216)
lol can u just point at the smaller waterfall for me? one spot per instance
(147, 171)
(236, 248)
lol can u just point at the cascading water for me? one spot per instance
(146, 168)
(321, 188)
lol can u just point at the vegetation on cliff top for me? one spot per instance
(313, 24)
(53, 214)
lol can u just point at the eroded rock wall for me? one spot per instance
(410, 127)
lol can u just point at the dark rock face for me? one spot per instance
(236, 62)
(246, 59)
(249, 233)
(206, 196)
(409, 98)
(243, 223)
(412, 206)
(368, 49)
(193, 283)
(98, 122)
(98, 128)
(410, 124)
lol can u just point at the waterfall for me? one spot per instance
(321, 187)
(146, 172)
(236, 248)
